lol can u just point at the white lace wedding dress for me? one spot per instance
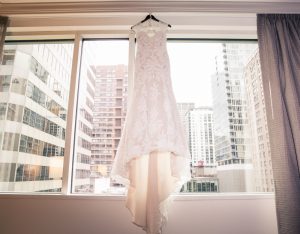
(152, 158)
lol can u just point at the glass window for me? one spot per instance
(10, 141)
(218, 106)
(8, 57)
(224, 153)
(3, 107)
(14, 112)
(101, 113)
(5, 83)
(18, 85)
(219, 98)
(34, 116)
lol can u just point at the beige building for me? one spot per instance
(110, 104)
(260, 146)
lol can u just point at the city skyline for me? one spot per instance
(184, 76)
(232, 135)
(103, 89)
(194, 75)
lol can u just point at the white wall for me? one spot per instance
(58, 214)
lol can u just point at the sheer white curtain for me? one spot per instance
(279, 47)
(3, 26)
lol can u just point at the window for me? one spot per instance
(101, 114)
(219, 98)
(218, 103)
(218, 84)
(33, 110)
(5, 83)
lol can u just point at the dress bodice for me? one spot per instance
(152, 60)
(147, 42)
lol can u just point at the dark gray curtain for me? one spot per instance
(279, 47)
(3, 26)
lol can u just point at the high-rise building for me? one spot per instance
(260, 146)
(84, 126)
(110, 104)
(198, 125)
(183, 110)
(230, 117)
(201, 137)
(34, 90)
(207, 184)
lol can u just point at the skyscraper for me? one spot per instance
(198, 125)
(183, 110)
(84, 126)
(201, 137)
(230, 117)
(260, 146)
(109, 113)
(34, 90)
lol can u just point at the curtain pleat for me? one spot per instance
(3, 26)
(279, 47)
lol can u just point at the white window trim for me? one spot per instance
(175, 197)
(70, 142)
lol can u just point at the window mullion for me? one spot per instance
(71, 116)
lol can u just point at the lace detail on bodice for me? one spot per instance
(152, 56)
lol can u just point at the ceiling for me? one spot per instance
(44, 1)
(93, 18)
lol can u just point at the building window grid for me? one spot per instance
(43, 100)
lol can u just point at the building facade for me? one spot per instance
(110, 105)
(84, 126)
(201, 137)
(260, 146)
(34, 90)
(201, 185)
(232, 135)
(183, 110)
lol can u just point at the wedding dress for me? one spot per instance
(152, 159)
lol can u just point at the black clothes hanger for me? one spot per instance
(148, 17)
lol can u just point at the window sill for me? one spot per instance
(181, 197)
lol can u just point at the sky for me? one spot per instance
(191, 63)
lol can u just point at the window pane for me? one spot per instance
(220, 100)
(5, 83)
(101, 113)
(34, 89)
(3, 107)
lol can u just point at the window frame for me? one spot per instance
(70, 157)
